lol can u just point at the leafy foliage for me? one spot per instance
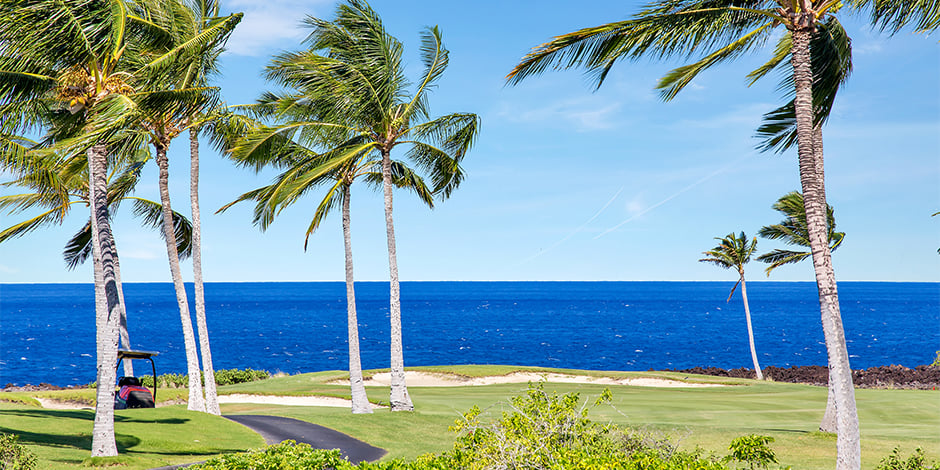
(752, 450)
(794, 231)
(222, 377)
(287, 455)
(547, 431)
(917, 461)
(13, 455)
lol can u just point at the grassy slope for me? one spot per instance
(706, 417)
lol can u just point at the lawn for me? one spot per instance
(705, 417)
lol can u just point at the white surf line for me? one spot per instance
(573, 232)
(677, 194)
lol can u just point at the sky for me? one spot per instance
(565, 182)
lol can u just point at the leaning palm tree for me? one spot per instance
(198, 27)
(303, 173)
(733, 252)
(793, 231)
(724, 30)
(66, 58)
(355, 87)
(73, 67)
(174, 98)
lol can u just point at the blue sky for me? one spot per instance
(565, 182)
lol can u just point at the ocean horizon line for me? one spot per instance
(753, 281)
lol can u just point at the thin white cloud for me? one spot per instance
(270, 25)
(7, 270)
(589, 114)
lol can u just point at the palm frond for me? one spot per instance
(151, 214)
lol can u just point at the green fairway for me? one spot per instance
(705, 417)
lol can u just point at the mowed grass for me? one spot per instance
(695, 417)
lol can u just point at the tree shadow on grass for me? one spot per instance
(89, 415)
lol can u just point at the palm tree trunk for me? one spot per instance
(399, 398)
(360, 401)
(196, 400)
(750, 330)
(828, 423)
(122, 323)
(212, 397)
(814, 201)
(107, 305)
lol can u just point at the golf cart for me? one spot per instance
(131, 393)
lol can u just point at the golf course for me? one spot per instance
(689, 413)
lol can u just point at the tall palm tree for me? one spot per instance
(355, 86)
(793, 231)
(303, 173)
(733, 252)
(72, 67)
(65, 57)
(172, 100)
(195, 19)
(725, 29)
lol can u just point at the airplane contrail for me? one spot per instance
(683, 190)
(559, 242)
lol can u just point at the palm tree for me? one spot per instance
(726, 29)
(792, 231)
(71, 67)
(355, 87)
(201, 18)
(68, 54)
(303, 173)
(733, 252)
(169, 106)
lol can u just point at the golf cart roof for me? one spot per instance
(125, 353)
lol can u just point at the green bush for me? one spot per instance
(287, 455)
(222, 377)
(917, 461)
(235, 376)
(13, 455)
(547, 431)
(752, 450)
(936, 360)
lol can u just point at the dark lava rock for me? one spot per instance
(893, 376)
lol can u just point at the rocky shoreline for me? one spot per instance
(894, 376)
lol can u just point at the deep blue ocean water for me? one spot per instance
(47, 331)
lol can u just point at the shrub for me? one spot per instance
(917, 461)
(235, 376)
(752, 450)
(222, 377)
(287, 455)
(936, 360)
(547, 431)
(13, 455)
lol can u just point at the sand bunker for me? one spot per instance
(289, 401)
(423, 379)
(426, 379)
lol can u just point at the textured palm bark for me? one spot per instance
(122, 323)
(828, 423)
(107, 305)
(750, 330)
(848, 448)
(208, 371)
(360, 401)
(196, 400)
(400, 401)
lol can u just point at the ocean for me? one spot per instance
(47, 331)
